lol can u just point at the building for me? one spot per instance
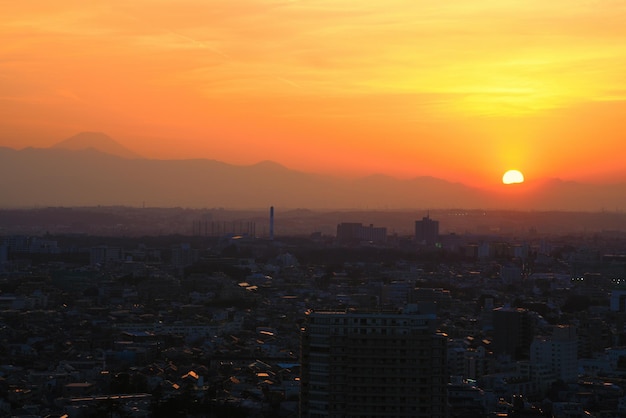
(372, 364)
(559, 353)
(427, 231)
(104, 255)
(618, 300)
(512, 333)
(16, 243)
(4, 254)
(351, 232)
(511, 274)
(183, 255)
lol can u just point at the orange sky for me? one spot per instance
(458, 89)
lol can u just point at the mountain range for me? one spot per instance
(98, 141)
(92, 169)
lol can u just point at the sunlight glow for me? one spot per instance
(512, 176)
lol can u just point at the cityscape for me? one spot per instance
(234, 318)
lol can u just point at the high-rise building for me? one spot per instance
(427, 231)
(512, 333)
(372, 364)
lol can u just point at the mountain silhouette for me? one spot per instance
(98, 141)
(88, 177)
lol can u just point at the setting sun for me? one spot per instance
(512, 176)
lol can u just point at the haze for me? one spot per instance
(461, 90)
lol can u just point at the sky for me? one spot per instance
(459, 89)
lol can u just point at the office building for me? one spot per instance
(372, 364)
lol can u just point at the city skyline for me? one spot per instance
(461, 91)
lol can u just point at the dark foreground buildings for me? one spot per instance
(373, 364)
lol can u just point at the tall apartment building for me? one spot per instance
(427, 231)
(512, 333)
(372, 364)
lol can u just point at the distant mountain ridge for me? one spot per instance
(87, 177)
(98, 141)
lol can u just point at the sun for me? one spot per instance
(513, 176)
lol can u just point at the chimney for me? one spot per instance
(271, 223)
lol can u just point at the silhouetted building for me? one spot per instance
(223, 228)
(4, 253)
(16, 243)
(426, 231)
(183, 255)
(512, 332)
(104, 255)
(594, 335)
(618, 299)
(372, 364)
(511, 274)
(350, 232)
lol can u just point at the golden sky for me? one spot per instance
(458, 89)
